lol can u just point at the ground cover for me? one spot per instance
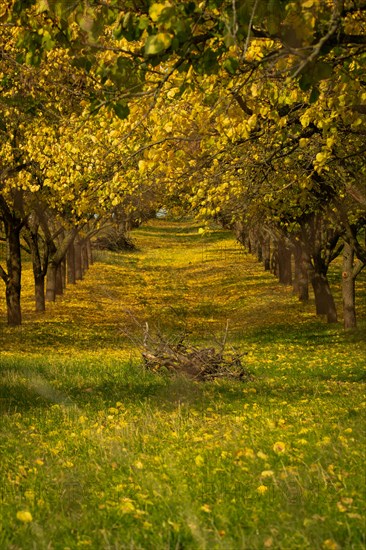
(97, 453)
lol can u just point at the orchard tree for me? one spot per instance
(56, 162)
(228, 94)
(251, 137)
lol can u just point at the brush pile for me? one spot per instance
(194, 362)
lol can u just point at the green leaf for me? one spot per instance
(208, 62)
(158, 43)
(86, 22)
(143, 22)
(190, 8)
(314, 95)
(2, 125)
(314, 73)
(322, 71)
(231, 64)
(305, 81)
(121, 109)
(155, 11)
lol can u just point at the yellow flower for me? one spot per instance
(262, 455)
(330, 544)
(206, 508)
(279, 447)
(262, 489)
(267, 473)
(24, 516)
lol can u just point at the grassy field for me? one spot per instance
(97, 453)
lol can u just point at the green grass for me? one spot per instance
(107, 456)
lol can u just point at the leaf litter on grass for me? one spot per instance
(117, 457)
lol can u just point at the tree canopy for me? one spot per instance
(247, 112)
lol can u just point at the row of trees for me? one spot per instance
(62, 178)
(251, 113)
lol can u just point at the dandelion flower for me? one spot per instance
(206, 508)
(24, 516)
(262, 489)
(279, 447)
(267, 473)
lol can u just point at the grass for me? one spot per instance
(98, 453)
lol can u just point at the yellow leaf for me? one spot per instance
(199, 460)
(142, 166)
(155, 10)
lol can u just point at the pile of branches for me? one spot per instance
(197, 363)
(114, 240)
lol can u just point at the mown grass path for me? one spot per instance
(98, 453)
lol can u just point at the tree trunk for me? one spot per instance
(63, 273)
(284, 263)
(39, 292)
(39, 269)
(71, 264)
(59, 282)
(78, 263)
(324, 301)
(89, 251)
(348, 288)
(13, 281)
(84, 258)
(301, 276)
(267, 253)
(274, 262)
(51, 282)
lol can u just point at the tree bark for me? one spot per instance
(84, 257)
(78, 262)
(39, 266)
(59, 282)
(39, 292)
(57, 256)
(301, 276)
(349, 275)
(320, 247)
(13, 221)
(274, 262)
(324, 301)
(89, 251)
(71, 264)
(51, 282)
(284, 263)
(14, 275)
(267, 253)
